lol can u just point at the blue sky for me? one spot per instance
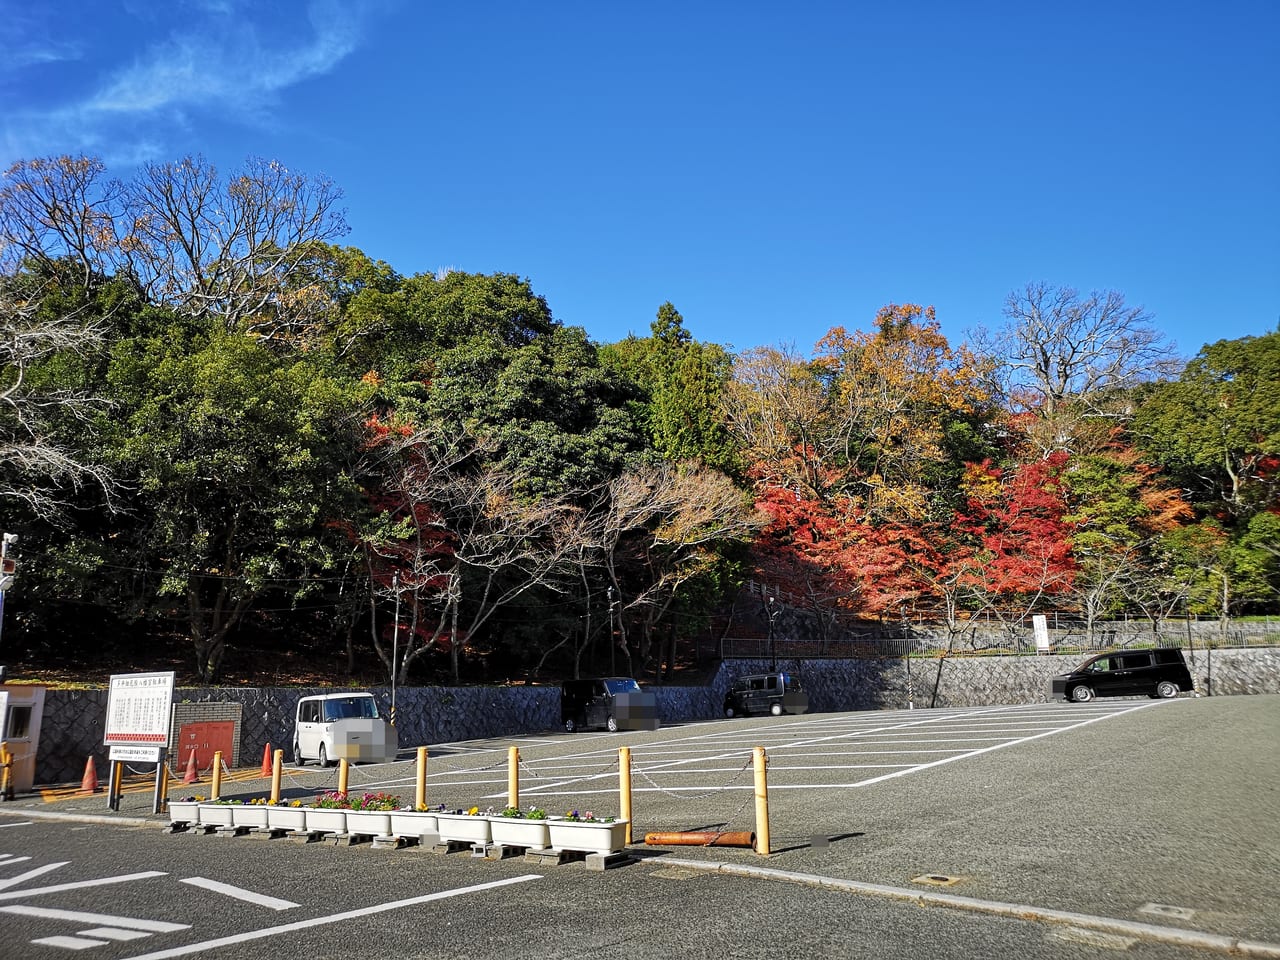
(772, 169)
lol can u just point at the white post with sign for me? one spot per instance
(1040, 623)
(139, 717)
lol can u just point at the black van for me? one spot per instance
(775, 693)
(1156, 673)
(615, 703)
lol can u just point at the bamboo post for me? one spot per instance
(344, 771)
(624, 788)
(420, 795)
(760, 762)
(277, 771)
(513, 777)
(215, 791)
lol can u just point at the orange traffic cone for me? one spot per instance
(192, 776)
(89, 784)
(268, 767)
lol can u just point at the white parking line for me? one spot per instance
(332, 918)
(38, 871)
(102, 919)
(239, 893)
(58, 888)
(20, 823)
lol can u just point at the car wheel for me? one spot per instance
(298, 759)
(776, 709)
(612, 725)
(1166, 689)
(728, 712)
(570, 726)
(1082, 694)
(323, 757)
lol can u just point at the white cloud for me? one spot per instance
(223, 61)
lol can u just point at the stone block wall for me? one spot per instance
(73, 719)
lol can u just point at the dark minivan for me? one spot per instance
(615, 703)
(1154, 673)
(775, 693)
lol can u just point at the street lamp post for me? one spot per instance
(612, 664)
(6, 574)
(395, 645)
(773, 614)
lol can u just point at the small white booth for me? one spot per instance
(21, 706)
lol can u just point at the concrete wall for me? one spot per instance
(73, 719)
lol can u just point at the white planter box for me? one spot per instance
(519, 832)
(254, 816)
(326, 820)
(293, 819)
(461, 826)
(184, 811)
(604, 838)
(413, 823)
(373, 823)
(216, 814)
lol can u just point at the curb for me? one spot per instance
(1018, 911)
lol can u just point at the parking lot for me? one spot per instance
(1136, 812)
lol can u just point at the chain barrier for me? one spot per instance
(611, 765)
(675, 795)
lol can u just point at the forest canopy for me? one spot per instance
(217, 423)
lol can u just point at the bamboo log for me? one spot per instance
(701, 838)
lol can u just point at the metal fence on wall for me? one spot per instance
(992, 637)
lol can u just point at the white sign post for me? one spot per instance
(139, 716)
(1040, 623)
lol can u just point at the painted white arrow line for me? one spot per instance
(275, 903)
(58, 888)
(101, 919)
(38, 871)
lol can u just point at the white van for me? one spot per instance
(341, 726)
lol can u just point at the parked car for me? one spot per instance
(615, 703)
(341, 726)
(775, 693)
(1156, 673)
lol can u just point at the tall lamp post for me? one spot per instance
(395, 645)
(773, 615)
(612, 647)
(6, 574)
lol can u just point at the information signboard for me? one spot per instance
(139, 708)
(131, 754)
(1040, 624)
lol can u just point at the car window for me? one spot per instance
(771, 683)
(1101, 665)
(347, 707)
(1134, 661)
(622, 686)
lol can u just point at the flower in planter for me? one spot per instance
(228, 801)
(515, 813)
(374, 801)
(332, 800)
(587, 816)
(192, 799)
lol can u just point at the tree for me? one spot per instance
(1217, 428)
(239, 461)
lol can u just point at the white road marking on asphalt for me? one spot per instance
(114, 933)
(332, 918)
(70, 943)
(101, 919)
(38, 871)
(20, 823)
(274, 903)
(8, 858)
(58, 888)
(1094, 938)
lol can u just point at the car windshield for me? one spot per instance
(622, 686)
(344, 708)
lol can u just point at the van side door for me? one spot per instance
(310, 730)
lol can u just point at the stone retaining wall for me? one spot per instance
(71, 729)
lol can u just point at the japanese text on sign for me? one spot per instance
(139, 707)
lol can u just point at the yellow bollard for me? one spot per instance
(513, 777)
(6, 774)
(624, 788)
(420, 797)
(344, 771)
(163, 775)
(761, 761)
(216, 790)
(277, 771)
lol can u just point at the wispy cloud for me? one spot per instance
(225, 61)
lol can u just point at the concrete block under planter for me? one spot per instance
(601, 838)
(326, 820)
(520, 832)
(413, 823)
(464, 827)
